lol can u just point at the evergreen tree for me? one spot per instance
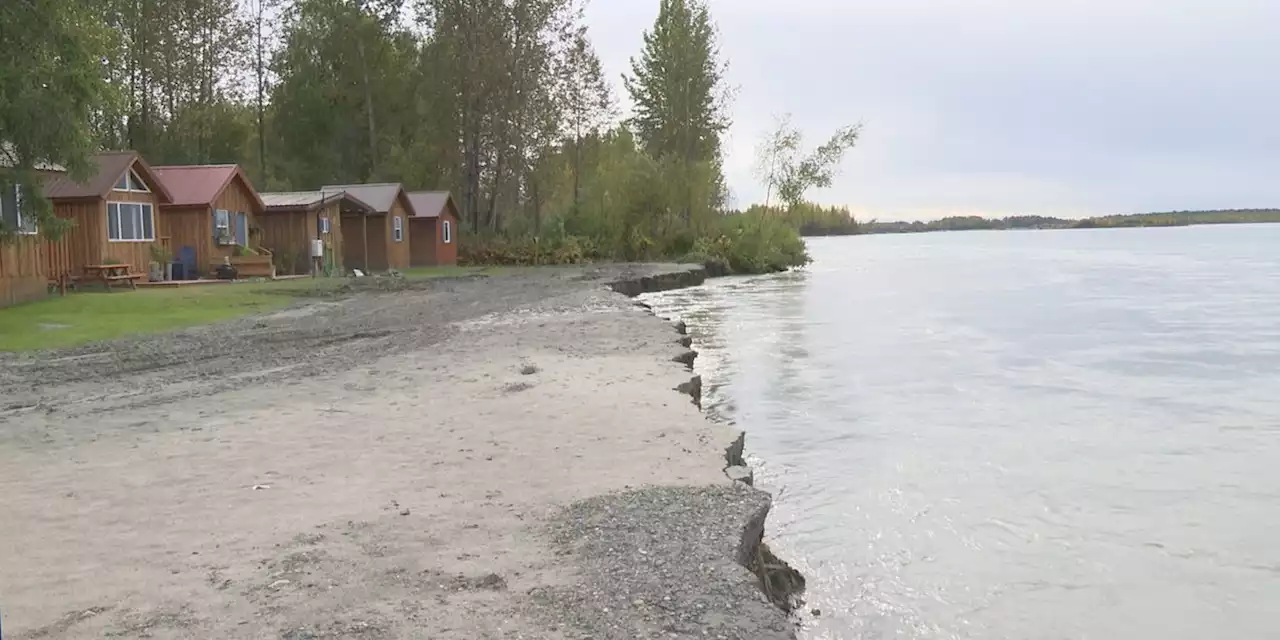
(677, 86)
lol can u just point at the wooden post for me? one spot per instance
(364, 220)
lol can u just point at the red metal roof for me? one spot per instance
(201, 184)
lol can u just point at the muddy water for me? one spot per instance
(1023, 435)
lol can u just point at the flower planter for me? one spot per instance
(254, 266)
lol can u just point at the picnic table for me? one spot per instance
(111, 274)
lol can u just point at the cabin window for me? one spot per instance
(324, 225)
(222, 226)
(448, 232)
(11, 214)
(397, 228)
(130, 222)
(131, 182)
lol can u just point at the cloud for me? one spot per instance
(1004, 106)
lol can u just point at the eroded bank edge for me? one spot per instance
(781, 584)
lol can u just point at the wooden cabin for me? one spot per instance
(214, 215)
(378, 240)
(115, 215)
(292, 221)
(432, 229)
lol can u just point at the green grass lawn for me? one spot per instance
(92, 316)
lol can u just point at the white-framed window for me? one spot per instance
(11, 215)
(324, 225)
(131, 182)
(397, 228)
(448, 231)
(221, 224)
(130, 222)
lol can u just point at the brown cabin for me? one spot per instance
(292, 221)
(24, 264)
(213, 215)
(378, 240)
(115, 216)
(432, 227)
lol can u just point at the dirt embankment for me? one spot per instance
(486, 458)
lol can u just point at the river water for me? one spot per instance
(1023, 435)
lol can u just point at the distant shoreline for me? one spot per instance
(979, 223)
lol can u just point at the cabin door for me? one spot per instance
(242, 229)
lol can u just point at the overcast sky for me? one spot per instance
(1055, 107)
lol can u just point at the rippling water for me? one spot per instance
(1023, 435)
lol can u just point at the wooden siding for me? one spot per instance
(23, 270)
(379, 230)
(192, 226)
(189, 227)
(447, 253)
(133, 253)
(353, 242)
(422, 249)
(397, 253)
(333, 241)
(82, 243)
(236, 198)
(288, 234)
(88, 241)
(428, 248)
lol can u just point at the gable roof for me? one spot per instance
(430, 204)
(378, 196)
(111, 166)
(309, 200)
(201, 184)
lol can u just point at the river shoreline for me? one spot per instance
(480, 458)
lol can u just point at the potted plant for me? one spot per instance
(161, 263)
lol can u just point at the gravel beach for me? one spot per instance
(486, 457)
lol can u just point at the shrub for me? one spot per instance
(504, 250)
(751, 243)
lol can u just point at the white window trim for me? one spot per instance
(131, 176)
(397, 229)
(17, 215)
(448, 231)
(324, 225)
(146, 206)
(227, 218)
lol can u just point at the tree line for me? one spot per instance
(502, 102)
(1166, 219)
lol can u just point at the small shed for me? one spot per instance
(213, 215)
(377, 240)
(292, 221)
(432, 229)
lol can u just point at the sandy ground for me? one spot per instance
(477, 458)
